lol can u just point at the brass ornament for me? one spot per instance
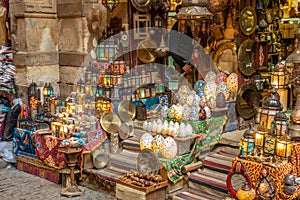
(248, 20)
(141, 5)
(146, 51)
(110, 122)
(126, 111)
(247, 101)
(244, 57)
(219, 51)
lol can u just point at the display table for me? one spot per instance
(276, 172)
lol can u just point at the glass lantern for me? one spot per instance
(270, 107)
(260, 135)
(284, 147)
(280, 123)
(247, 142)
(270, 144)
(278, 78)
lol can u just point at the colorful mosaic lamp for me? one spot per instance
(110, 4)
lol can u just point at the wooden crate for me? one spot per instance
(127, 191)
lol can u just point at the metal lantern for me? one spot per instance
(284, 147)
(141, 113)
(280, 124)
(270, 107)
(270, 144)
(110, 4)
(32, 89)
(260, 135)
(278, 78)
(157, 21)
(247, 141)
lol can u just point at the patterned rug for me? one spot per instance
(212, 179)
(119, 165)
(132, 144)
(36, 167)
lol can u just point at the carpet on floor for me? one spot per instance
(212, 179)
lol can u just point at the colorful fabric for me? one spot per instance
(94, 139)
(23, 142)
(2, 120)
(37, 167)
(209, 134)
(47, 151)
(192, 194)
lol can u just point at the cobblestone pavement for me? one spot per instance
(18, 185)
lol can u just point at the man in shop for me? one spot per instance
(181, 48)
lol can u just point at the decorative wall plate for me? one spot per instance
(237, 177)
(219, 51)
(248, 20)
(247, 101)
(245, 57)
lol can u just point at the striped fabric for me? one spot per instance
(193, 194)
(119, 165)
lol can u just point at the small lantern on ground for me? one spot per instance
(284, 147)
(270, 107)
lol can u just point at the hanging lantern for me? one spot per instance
(270, 107)
(278, 77)
(110, 4)
(157, 21)
(284, 147)
(247, 142)
(280, 124)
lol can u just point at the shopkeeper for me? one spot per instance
(181, 48)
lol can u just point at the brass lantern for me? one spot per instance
(279, 80)
(284, 147)
(270, 144)
(247, 142)
(280, 124)
(260, 135)
(270, 107)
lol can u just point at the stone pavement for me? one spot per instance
(18, 185)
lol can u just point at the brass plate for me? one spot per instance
(245, 57)
(110, 122)
(126, 111)
(248, 20)
(148, 162)
(126, 130)
(220, 49)
(247, 101)
(146, 51)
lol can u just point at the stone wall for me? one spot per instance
(53, 41)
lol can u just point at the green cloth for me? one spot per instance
(209, 134)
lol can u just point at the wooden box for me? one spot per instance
(127, 191)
